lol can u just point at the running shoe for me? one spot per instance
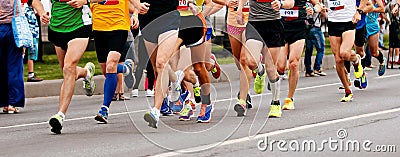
(149, 93)
(319, 72)
(135, 92)
(240, 107)
(186, 113)
(382, 67)
(216, 71)
(197, 96)
(275, 110)
(288, 105)
(177, 107)
(165, 109)
(56, 122)
(248, 100)
(129, 78)
(175, 88)
(259, 82)
(361, 82)
(102, 116)
(152, 118)
(358, 69)
(88, 83)
(34, 78)
(347, 98)
(205, 114)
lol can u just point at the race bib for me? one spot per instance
(264, 1)
(289, 13)
(183, 5)
(109, 2)
(335, 5)
(246, 7)
(63, 0)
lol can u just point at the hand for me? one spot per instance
(309, 10)
(193, 8)
(77, 3)
(143, 8)
(395, 9)
(356, 17)
(276, 5)
(233, 4)
(134, 22)
(45, 18)
(240, 17)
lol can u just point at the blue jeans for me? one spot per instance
(314, 38)
(11, 70)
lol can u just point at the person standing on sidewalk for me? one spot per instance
(11, 68)
(315, 38)
(33, 51)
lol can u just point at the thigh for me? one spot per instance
(100, 40)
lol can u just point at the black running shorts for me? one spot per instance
(61, 39)
(269, 32)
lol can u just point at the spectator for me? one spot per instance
(11, 63)
(315, 37)
(394, 41)
(33, 51)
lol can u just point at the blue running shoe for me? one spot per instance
(152, 118)
(165, 109)
(382, 67)
(177, 107)
(102, 116)
(364, 81)
(205, 114)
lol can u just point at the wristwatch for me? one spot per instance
(360, 11)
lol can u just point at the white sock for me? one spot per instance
(197, 82)
(275, 89)
(260, 68)
(105, 107)
(396, 58)
(31, 74)
(61, 114)
(156, 111)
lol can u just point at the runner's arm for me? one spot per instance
(287, 4)
(38, 6)
(366, 6)
(220, 2)
(380, 8)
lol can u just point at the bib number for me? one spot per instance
(246, 7)
(264, 1)
(335, 5)
(289, 13)
(183, 5)
(110, 2)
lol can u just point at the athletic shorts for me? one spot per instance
(394, 40)
(192, 30)
(33, 51)
(235, 30)
(62, 39)
(210, 34)
(372, 29)
(106, 41)
(338, 28)
(360, 39)
(269, 32)
(153, 26)
(294, 31)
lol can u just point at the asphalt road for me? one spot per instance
(373, 116)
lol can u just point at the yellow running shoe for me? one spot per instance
(288, 105)
(358, 69)
(275, 110)
(347, 98)
(259, 82)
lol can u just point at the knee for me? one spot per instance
(68, 70)
(293, 64)
(160, 64)
(198, 68)
(339, 61)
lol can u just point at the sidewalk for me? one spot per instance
(229, 72)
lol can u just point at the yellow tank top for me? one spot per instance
(112, 15)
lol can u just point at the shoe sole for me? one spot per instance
(239, 110)
(55, 126)
(203, 121)
(150, 120)
(274, 116)
(287, 108)
(100, 118)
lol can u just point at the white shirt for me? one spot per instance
(341, 10)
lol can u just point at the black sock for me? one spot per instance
(380, 57)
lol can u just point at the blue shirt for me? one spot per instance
(361, 23)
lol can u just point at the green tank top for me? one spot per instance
(65, 18)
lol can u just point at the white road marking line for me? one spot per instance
(277, 132)
(221, 100)
(387, 76)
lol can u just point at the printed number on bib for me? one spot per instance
(335, 5)
(183, 5)
(109, 2)
(289, 13)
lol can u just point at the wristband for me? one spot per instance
(360, 11)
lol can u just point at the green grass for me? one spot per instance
(50, 69)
